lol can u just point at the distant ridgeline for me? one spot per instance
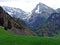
(10, 23)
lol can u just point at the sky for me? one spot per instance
(29, 5)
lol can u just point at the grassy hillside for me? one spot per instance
(6, 38)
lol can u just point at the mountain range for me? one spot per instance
(43, 20)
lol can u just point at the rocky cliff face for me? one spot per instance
(10, 23)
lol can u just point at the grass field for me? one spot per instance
(6, 38)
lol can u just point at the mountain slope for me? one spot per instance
(51, 27)
(15, 27)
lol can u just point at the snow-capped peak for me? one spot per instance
(16, 12)
(42, 8)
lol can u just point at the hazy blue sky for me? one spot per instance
(28, 5)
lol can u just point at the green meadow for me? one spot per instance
(6, 38)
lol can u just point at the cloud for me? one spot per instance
(28, 5)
